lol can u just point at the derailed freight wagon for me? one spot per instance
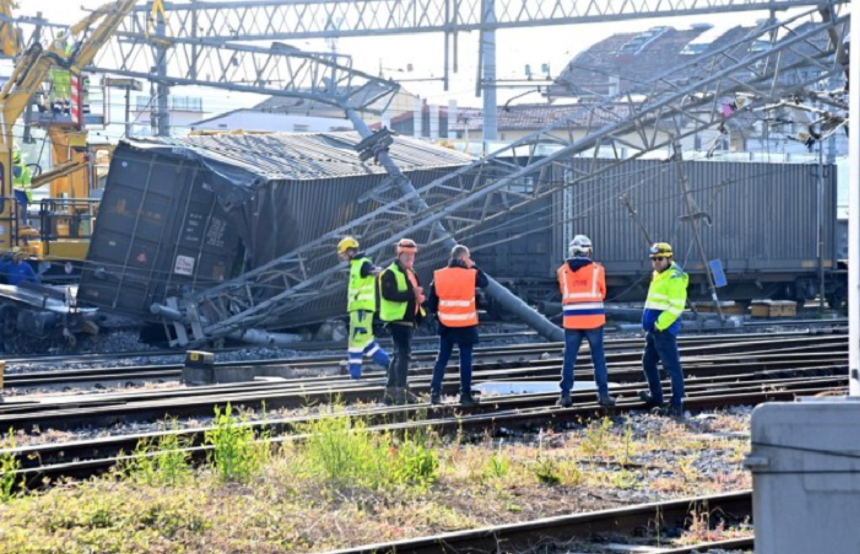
(183, 215)
(764, 223)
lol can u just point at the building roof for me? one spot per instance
(306, 156)
(625, 60)
(531, 117)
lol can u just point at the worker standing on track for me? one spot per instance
(667, 296)
(452, 298)
(22, 181)
(583, 289)
(401, 297)
(361, 298)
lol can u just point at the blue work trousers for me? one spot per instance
(446, 347)
(663, 347)
(572, 341)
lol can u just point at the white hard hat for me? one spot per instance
(579, 244)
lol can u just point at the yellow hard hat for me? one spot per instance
(406, 245)
(661, 250)
(16, 156)
(345, 244)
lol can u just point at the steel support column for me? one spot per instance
(854, 207)
(488, 76)
(505, 298)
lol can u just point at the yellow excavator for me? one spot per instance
(77, 165)
(30, 310)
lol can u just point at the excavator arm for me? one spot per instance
(10, 37)
(27, 77)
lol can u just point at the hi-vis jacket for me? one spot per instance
(667, 296)
(455, 287)
(582, 295)
(361, 294)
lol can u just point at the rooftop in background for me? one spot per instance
(303, 157)
(625, 60)
(531, 117)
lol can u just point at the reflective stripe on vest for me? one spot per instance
(455, 287)
(581, 297)
(362, 290)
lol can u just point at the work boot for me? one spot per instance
(409, 397)
(649, 401)
(390, 396)
(435, 399)
(565, 401)
(466, 399)
(606, 401)
(675, 412)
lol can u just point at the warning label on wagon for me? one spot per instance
(184, 266)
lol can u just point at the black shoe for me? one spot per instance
(565, 401)
(409, 397)
(390, 396)
(466, 399)
(435, 399)
(606, 401)
(670, 411)
(649, 401)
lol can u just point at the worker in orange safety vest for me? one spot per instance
(583, 290)
(453, 300)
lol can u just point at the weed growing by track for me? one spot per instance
(344, 452)
(236, 455)
(159, 462)
(8, 465)
(346, 485)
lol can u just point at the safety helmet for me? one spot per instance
(16, 156)
(580, 244)
(345, 244)
(661, 250)
(407, 245)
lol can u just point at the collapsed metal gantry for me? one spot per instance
(676, 105)
(454, 205)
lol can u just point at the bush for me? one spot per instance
(415, 462)
(9, 464)
(160, 462)
(236, 455)
(344, 451)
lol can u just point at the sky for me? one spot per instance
(555, 46)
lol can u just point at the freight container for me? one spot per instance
(180, 215)
(760, 220)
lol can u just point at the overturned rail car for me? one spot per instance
(182, 215)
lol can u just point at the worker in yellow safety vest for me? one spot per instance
(361, 305)
(22, 182)
(661, 319)
(401, 299)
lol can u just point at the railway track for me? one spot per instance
(618, 349)
(657, 518)
(727, 373)
(65, 412)
(304, 346)
(506, 414)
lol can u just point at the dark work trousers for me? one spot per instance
(663, 347)
(446, 346)
(399, 368)
(572, 341)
